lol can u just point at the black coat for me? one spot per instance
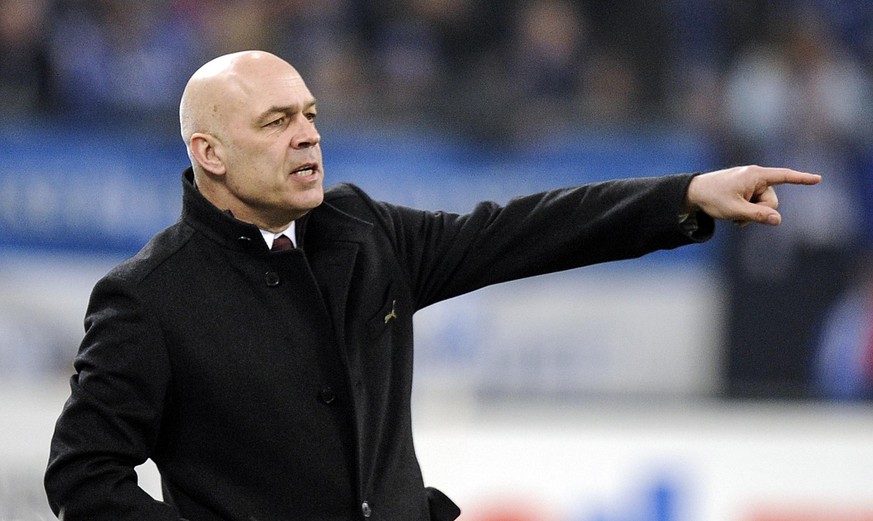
(276, 386)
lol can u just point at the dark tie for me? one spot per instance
(282, 243)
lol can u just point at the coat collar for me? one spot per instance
(224, 228)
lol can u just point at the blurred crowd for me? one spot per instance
(496, 69)
(767, 81)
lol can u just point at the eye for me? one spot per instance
(278, 122)
(310, 116)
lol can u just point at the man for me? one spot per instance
(275, 385)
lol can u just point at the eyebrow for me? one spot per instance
(286, 109)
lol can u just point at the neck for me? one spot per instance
(216, 194)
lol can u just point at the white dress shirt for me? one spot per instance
(269, 237)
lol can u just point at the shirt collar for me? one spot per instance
(269, 237)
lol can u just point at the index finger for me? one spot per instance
(778, 176)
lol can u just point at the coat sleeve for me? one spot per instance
(449, 254)
(110, 422)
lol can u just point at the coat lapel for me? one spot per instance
(332, 240)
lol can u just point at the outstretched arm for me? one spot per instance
(743, 194)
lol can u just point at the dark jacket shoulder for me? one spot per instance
(161, 247)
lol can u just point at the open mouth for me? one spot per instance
(304, 170)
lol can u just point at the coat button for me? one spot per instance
(366, 510)
(271, 278)
(327, 395)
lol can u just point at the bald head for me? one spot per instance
(248, 121)
(222, 87)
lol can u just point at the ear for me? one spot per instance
(205, 149)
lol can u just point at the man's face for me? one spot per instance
(270, 146)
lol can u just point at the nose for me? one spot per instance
(306, 135)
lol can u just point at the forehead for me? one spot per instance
(255, 85)
(274, 86)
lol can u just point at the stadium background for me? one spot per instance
(720, 382)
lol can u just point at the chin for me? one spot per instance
(310, 200)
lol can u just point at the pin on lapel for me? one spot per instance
(393, 313)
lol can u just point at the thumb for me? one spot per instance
(758, 213)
